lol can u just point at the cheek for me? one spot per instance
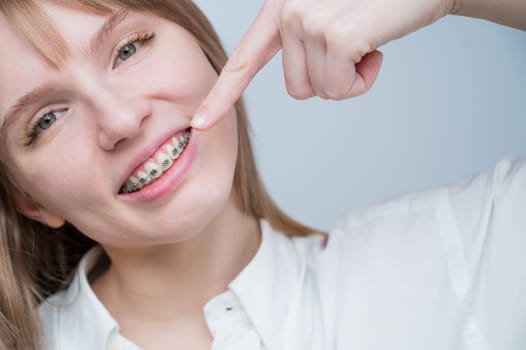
(59, 183)
(218, 154)
(210, 184)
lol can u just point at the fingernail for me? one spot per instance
(200, 117)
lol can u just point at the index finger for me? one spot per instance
(259, 44)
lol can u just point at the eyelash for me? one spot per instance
(32, 132)
(136, 38)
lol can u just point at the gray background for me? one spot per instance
(449, 102)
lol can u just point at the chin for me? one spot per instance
(208, 210)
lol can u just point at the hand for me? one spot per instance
(329, 47)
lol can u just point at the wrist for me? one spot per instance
(508, 12)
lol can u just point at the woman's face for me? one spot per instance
(102, 125)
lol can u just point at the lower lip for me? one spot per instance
(170, 180)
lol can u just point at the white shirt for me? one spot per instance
(445, 269)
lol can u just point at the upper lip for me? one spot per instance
(147, 152)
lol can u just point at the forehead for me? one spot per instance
(33, 46)
(38, 22)
(48, 27)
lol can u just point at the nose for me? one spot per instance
(119, 116)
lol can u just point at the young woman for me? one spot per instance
(133, 225)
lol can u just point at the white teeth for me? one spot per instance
(179, 143)
(153, 169)
(164, 160)
(176, 153)
(144, 178)
(136, 182)
(129, 187)
(172, 152)
(176, 142)
(182, 143)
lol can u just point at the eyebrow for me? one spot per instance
(107, 28)
(41, 92)
(23, 103)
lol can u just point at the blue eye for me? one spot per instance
(41, 124)
(128, 50)
(130, 46)
(47, 120)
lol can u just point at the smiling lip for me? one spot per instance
(171, 178)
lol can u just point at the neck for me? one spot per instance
(174, 281)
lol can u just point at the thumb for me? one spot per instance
(259, 44)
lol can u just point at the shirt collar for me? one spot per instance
(80, 313)
(265, 289)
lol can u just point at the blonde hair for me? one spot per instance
(37, 261)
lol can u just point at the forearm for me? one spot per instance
(508, 12)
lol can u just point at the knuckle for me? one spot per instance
(323, 96)
(321, 92)
(348, 39)
(359, 92)
(291, 12)
(302, 92)
(314, 25)
(238, 64)
(343, 96)
(335, 95)
(338, 87)
(337, 37)
(359, 49)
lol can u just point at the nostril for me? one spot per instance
(118, 143)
